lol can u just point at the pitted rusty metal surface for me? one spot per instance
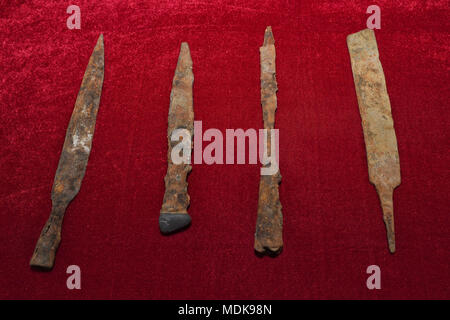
(74, 157)
(269, 224)
(173, 214)
(378, 126)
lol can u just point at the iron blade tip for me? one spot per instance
(268, 36)
(184, 59)
(99, 44)
(184, 49)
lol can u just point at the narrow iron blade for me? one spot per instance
(173, 215)
(378, 125)
(269, 223)
(73, 160)
(78, 143)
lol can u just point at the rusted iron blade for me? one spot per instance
(173, 215)
(269, 224)
(74, 158)
(378, 126)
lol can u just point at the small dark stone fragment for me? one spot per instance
(172, 222)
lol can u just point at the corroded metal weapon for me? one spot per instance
(269, 224)
(173, 215)
(378, 126)
(74, 157)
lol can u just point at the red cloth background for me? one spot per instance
(333, 221)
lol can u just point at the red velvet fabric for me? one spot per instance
(333, 222)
